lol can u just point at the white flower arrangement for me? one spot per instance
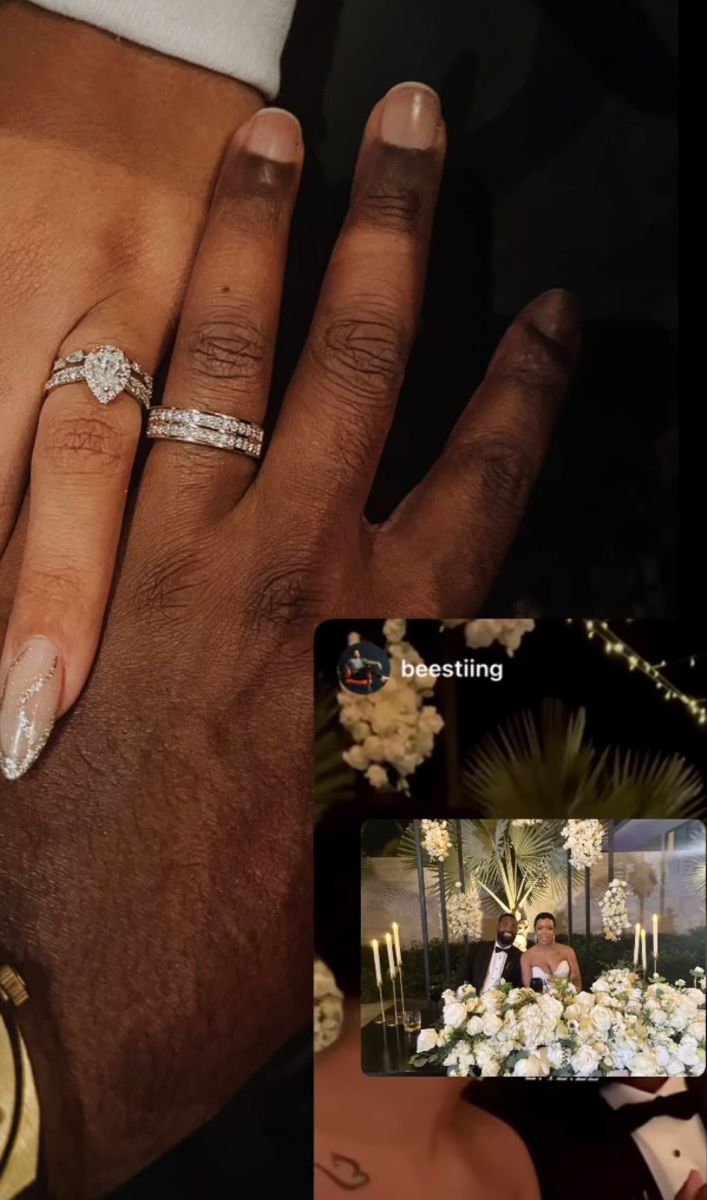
(328, 1007)
(584, 840)
(620, 1027)
(527, 821)
(614, 910)
(464, 915)
(435, 839)
(508, 631)
(393, 730)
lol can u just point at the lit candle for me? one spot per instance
(377, 961)
(655, 935)
(396, 939)
(643, 948)
(636, 943)
(389, 946)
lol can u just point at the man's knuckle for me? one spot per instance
(503, 467)
(538, 367)
(289, 595)
(231, 349)
(169, 583)
(84, 443)
(396, 209)
(362, 350)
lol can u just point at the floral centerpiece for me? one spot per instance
(621, 1026)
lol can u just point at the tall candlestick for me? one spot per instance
(391, 962)
(643, 949)
(377, 961)
(636, 944)
(655, 935)
(396, 939)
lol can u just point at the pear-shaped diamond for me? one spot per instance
(106, 371)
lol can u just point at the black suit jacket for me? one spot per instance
(577, 1151)
(476, 963)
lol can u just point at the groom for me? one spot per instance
(487, 963)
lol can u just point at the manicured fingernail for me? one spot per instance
(274, 133)
(410, 116)
(29, 705)
(555, 314)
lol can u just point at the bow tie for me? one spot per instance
(630, 1117)
(500, 950)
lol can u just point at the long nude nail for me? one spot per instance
(29, 705)
(410, 116)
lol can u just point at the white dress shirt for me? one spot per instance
(671, 1147)
(242, 38)
(495, 968)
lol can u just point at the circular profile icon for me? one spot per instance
(363, 668)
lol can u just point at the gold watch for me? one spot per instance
(19, 1104)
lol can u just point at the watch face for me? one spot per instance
(19, 1110)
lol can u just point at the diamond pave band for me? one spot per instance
(206, 429)
(106, 370)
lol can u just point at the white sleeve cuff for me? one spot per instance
(242, 38)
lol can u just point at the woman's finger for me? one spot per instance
(450, 535)
(81, 465)
(341, 401)
(223, 356)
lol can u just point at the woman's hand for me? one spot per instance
(109, 155)
(448, 537)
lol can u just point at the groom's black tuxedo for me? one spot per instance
(579, 1150)
(475, 964)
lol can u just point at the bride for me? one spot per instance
(549, 959)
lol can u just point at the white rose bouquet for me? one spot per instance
(435, 839)
(583, 839)
(508, 631)
(328, 1007)
(464, 915)
(614, 910)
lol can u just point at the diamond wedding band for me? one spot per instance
(206, 429)
(106, 370)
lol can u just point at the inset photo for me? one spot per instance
(533, 948)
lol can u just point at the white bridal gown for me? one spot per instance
(562, 971)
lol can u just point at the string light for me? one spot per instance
(654, 671)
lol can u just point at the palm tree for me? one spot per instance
(508, 863)
(551, 767)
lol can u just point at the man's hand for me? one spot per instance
(155, 868)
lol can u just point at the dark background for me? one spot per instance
(624, 709)
(561, 171)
